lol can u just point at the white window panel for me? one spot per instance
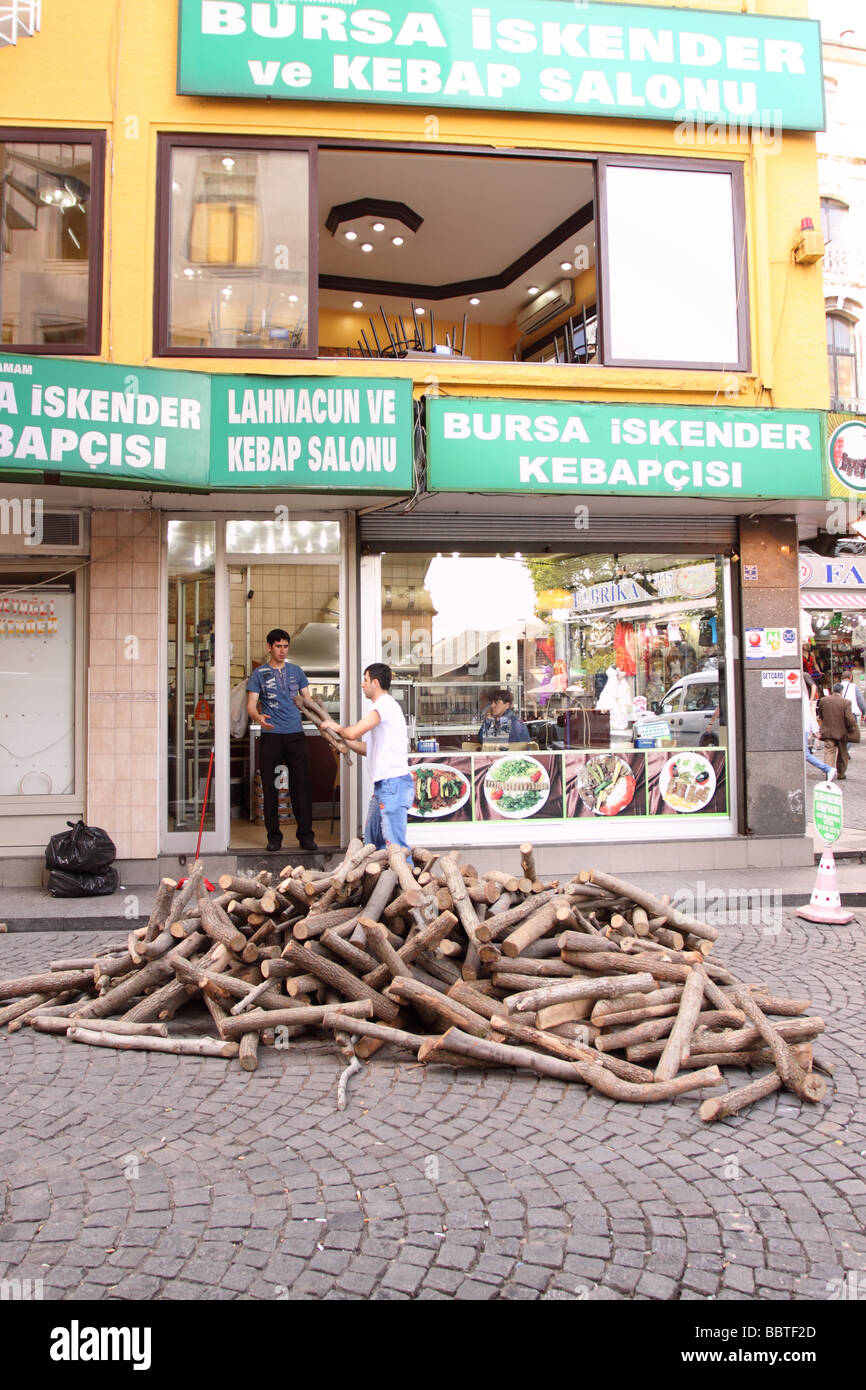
(672, 271)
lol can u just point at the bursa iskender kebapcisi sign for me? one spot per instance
(633, 61)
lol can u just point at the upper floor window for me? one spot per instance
(51, 240)
(674, 283)
(841, 353)
(235, 249)
(834, 221)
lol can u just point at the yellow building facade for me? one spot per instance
(640, 571)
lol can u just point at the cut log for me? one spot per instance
(248, 1051)
(581, 943)
(677, 1045)
(344, 982)
(120, 1026)
(719, 1107)
(629, 964)
(603, 987)
(152, 976)
(415, 993)
(527, 861)
(805, 1084)
(572, 1051)
(302, 1016)
(52, 982)
(191, 1047)
(571, 1011)
(651, 904)
(219, 927)
(23, 1006)
(555, 915)
(159, 913)
(505, 921)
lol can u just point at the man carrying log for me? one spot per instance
(386, 745)
(271, 691)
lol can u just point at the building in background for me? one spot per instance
(493, 348)
(842, 185)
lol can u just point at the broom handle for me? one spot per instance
(204, 804)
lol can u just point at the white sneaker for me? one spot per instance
(831, 774)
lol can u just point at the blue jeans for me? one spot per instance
(389, 811)
(810, 757)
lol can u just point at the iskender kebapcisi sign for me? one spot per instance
(584, 59)
(193, 430)
(585, 449)
(112, 424)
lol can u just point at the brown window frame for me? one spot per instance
(738, 206)
(96, 139)
(167, 142)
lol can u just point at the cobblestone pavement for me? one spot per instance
(138, 1176)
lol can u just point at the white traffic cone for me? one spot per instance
(825, 905)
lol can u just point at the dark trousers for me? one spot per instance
(841, 747)
(286, 751)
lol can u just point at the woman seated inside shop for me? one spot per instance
(500, 723)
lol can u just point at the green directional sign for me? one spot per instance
(827, 812)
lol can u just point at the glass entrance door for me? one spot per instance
(192, 779)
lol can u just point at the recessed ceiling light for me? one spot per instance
(565, 265)
(228, 163)
(420, 311)
(475, 300)
(533, 289)
(357, 304)
(293, 299)
(378, 226)
(366, 246)
(351, 236)
(397, 240)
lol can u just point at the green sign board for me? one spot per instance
(584, 59)
(110, 423)
(827, 812)
(676, 451)
(300, 432)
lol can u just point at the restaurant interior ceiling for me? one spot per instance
(481, 216)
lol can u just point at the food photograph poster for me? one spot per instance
(483, 787)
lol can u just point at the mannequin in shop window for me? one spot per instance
(617, 698)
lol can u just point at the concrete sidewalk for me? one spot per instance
(33, 909)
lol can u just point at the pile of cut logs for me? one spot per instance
(590, 980)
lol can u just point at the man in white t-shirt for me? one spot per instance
(386, 752)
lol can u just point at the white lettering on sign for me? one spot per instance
(279, 454)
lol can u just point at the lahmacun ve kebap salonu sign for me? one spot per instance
(633, 61)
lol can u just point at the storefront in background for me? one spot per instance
(833, 616)
(432, 333)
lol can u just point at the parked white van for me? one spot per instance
(687, 708)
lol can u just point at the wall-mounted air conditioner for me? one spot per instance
(29, 528)
(546, 306)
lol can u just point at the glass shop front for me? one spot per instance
(563, 688)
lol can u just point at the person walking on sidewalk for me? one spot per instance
(810, 730)
(271, 691)
(838, 725)
(383, 729)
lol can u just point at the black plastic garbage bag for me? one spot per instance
(82, 848)
(63, 884)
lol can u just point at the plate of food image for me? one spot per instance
(687, 782)
(606, 784)
(516, 786)
(439, 790)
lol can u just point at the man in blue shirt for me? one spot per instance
(271, 691)
(500, 724)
